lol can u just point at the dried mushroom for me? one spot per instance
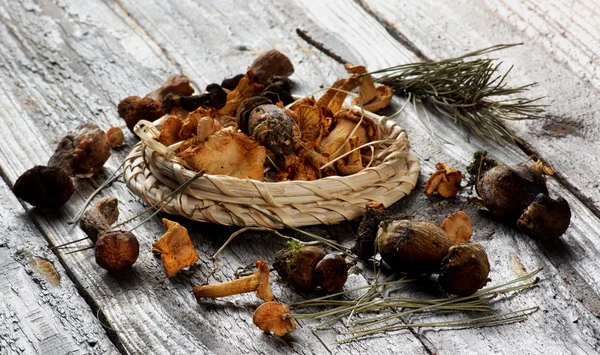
(175, 84)
(346, 123)
(83, 151)
(331, 273)
(271, 127)
(115, 136)
(98, 219)
(545, 218)
(445, 181)
(458, 227)
(312, 125)
(169, 132)
(465, 269)
(258, 281)
(271, 317)
(117, 250)
(269, 64)
(239, 156)
(278, 89)
(231, 83)
(506, 191)
(306, 267)
(370, 97)
(245, 89)
(44, 186)
(214, 97)
(175, 248)
(133, 109)
(337, 101)
(414, 247)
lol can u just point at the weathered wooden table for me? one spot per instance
(68, 61)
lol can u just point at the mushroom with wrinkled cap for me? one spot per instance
(271, 317)
(458, 226)
(175, 84)
(175, 248)
(258, 281)
(445, 180)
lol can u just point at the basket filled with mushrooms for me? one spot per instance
(267, 158)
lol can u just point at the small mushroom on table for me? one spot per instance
(258, 281)
(271, 317)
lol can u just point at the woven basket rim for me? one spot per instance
(151, 176)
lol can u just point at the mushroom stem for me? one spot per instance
(258, 281)
(342, 92)
(367, 91)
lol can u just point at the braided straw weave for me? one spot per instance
(244, 202)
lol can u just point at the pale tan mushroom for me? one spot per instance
(239, 156)
(458, 226)
(372, 98)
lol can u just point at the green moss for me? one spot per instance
(294, 245)
(479, 166)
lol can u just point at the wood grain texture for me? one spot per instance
(148, 313)
(40, 308)
(71, 61)
(560, 53)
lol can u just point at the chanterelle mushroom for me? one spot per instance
(239, 155)
(445, 180)
(258, 281)
(372, 98)
(175, 248)
(271, 317)
(458, 226)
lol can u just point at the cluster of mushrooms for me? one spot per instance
(251, 123)
(255, 124)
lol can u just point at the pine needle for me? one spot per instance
(374, 301)
(469, 91)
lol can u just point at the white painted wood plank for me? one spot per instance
(560, 53)
(40, 314)
(207, 42)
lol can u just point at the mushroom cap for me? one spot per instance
(458, 226)
(175, 248)
(45, 186)
(384, 97)
(445, 180)
(331, 273)
(545, 218)
(465, 269)
(271, 317)
(117, 250)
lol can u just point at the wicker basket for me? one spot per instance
(244, 202)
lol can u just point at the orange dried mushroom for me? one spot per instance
(190, 124)
(175, 248)
(445, 180)
(245, 89)
(258, 281)
(238, 155)
(115, 136)
(372, 98)
(271, 317)
(458, 226)
(169, 132)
